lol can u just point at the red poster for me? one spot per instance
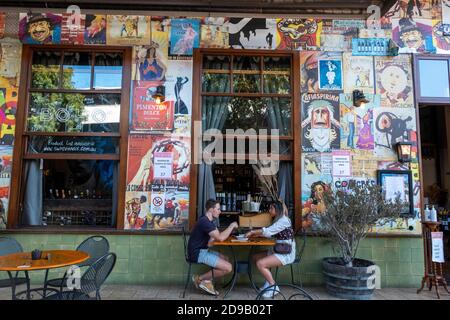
(72, 29)
(2, 24)
(147, 115)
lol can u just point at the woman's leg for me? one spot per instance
(264, 266)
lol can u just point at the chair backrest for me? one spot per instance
(96, 247)
(97, 273)
(301, 248)
(9, 245)
(185, 243)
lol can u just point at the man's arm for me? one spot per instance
(222, 236)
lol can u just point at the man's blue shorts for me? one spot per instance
(208, 257)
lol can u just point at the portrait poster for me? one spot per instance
(214, 36)
(10, 53)
(149, 63)
(364, 164)
(147, 115)
(445, 11)
(358, 73)
(5, 180)
(184, 36)
(441, 42)
(299, 34)
(392, 125)
(320, 122)
(394, 81)
(252, 33)
(179, 85)
(160, 34)
(313, 188)
(95, 29)
(316, 163)
(412, 36)
(330, 75)
(137, 210)
(357, 123)
(72, 30)
(2, 24)
(40, 28)
(309, 68)
(141, 150)
(8, 110)
(128, 30)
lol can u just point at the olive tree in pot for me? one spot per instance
(349, 216)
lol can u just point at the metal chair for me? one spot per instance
(95, 246)
(8, 246)
(189, 262)
(289, 292)
(91, 280)
(297, 261)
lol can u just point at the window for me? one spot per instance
(72, 137)
(432, 74)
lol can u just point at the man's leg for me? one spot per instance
(221, 268)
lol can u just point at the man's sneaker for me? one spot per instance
(196, 280)
(207, 286)
(265, 285)
(272, 292)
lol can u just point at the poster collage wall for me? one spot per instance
(157, 195)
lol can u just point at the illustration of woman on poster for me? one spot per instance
(95, 32)
(314, 205)
(394, 84)
(152, 69)
(186, 43)
(365, 135)
(180, 106)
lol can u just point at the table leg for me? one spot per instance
(28, 285)
(13, 285)
(249, 270)
(235, 274)
(45, 282)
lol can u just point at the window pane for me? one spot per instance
(277, 83)
(108, 71)
(246, 83)
(213, 82)
(82, 145)
(438, 71)
(277, 64)
(216, 62)
(247, 113)
(77, 70)
(45, 69)
(58, 112)
(247, 63)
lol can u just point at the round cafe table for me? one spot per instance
(50, 259)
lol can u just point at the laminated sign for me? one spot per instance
(437, 247)
(157, 204)
(341, 163)
(162, 165)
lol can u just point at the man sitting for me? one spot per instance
(202, 235)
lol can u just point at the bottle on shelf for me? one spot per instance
(433, 214)
(81, 194)
(69, 194)
(63, 195)
(87, 194)
(94, 196)
(75, 194)
(56, 193)
(50, 194)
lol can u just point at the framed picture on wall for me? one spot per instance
(396, 183)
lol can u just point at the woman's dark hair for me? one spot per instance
(148, 53)
(279, 209)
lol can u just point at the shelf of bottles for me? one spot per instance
(77, 207)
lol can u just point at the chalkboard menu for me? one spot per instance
(83, 145)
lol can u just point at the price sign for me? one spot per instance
(162, 165)
(437, 247)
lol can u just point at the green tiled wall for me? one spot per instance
(159, 259)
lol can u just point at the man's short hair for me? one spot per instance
(211, 203)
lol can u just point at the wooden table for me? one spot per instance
(51, 259)
(243, 266)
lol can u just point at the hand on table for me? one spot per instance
(234, 225)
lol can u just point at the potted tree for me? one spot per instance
(349, 216)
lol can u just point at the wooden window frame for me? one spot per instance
(294, 138)
(21, 133)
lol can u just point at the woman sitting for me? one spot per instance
(281, 229)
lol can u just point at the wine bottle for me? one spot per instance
(87, 194)
(93, 194)
(63, 196)
(69, 194)
(50, 194)
(75, 194)
(56, 194)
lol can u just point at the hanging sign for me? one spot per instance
(157, 203)
(437, 247)
(162, 165)
(341, 163)
(373, 47)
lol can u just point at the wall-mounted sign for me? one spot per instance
(373, 47)
(162, 165)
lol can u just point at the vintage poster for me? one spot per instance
(445, 11)
(10, 53)
(40, 28)
(364, 164)
(184, 36)
(5, 179)
(336, 38)
(400, 226)
(313, 188)
(358, 73)
(147, 115)
(137, 210)
(2, 24)
(309, 72)
(394, 81)
(392, 125)
(95, 29)
(316, 163)
(128, 30)
(182, 125)
(375, 33)
(330, 75)
(160, 35)
(436, 9)
(214, 36)
(179, 85)
(349, 24)
(8, 109)
(141, 150)
(412, 36)
(342, 165)
(299, 34)
(72, 30)
(149, 63)
(320, 122)
(357, 123)
(441, 42)
(252, 33)
(350, 182)
(412, 9)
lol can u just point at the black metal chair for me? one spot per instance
(297, 261)
(96, 246)
(90, 282)
(285, 292)
(189, 262)
(8, 246)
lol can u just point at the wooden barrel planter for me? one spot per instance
(348, 282)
